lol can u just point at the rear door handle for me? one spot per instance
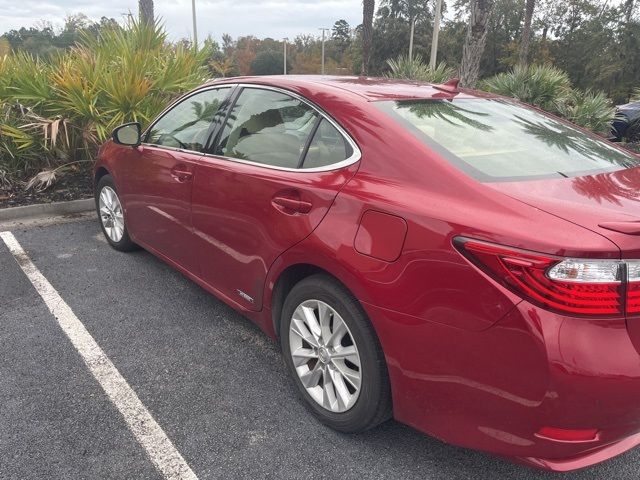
(291, 206)
(180, 174)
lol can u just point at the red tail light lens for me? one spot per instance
(580, 287)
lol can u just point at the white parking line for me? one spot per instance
(149, 434)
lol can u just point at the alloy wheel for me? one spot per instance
(325, 356)
(111, 214)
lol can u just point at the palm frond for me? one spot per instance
(415, 69)
(592, 110)
(540, 85)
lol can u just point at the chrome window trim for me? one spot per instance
(172, 149)
(328, 168)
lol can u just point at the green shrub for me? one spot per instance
(539, 85)
(592, 110)
(61, 110)
(416, 69)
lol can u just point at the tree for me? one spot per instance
(341, 35)
(45, 42)
(223, 68)
(475, 41)
(526, 32)
(411, 11)
(368, 8)
(245, 53)
(146, 11)
(268, 63)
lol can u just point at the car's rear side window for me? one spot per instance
(328, 146)
(267, 127)
(187, 124)
(272, 128)
(497, 140)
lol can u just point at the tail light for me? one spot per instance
(587, 287)
(633, 287)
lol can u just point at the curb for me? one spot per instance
(47, 209)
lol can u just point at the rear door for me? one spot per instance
(270, 178)
(158, 176)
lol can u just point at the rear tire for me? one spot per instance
(111, 215)
(344, 349)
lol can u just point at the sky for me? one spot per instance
(271, 18)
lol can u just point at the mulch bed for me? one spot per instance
(69, 186)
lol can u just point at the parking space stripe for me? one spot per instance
(149, 434)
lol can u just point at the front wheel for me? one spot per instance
(111, 215)
(334, 356)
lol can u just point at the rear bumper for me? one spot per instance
(494, 390)
(582, 461)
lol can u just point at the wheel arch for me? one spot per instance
(292, 274)
(100, 172)
(284, 282)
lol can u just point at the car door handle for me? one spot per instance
(291, 206)
(181, 175)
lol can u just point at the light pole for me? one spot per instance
(195, 25)
(324, 30)
(436, 31)
(285, 54)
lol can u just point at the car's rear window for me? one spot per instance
(496, 140)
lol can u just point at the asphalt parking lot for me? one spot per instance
(214, 384)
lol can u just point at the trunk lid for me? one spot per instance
(606, 203)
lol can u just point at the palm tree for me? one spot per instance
(368, 7)
(146, 11)
(526, 32)
(475, 42)
(414, 11)
(411, 10)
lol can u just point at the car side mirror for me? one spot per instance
(128, 134)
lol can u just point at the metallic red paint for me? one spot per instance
(235, 221)
(469, 361)
(381, 235)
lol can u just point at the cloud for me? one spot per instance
(271, 18)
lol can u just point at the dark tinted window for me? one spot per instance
(267, 127)
(496, 140)
(327, 147)
(187, 124)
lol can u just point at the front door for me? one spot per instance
(275, 170)
(158, 177)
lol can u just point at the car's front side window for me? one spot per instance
(267, 127)
(186, 126)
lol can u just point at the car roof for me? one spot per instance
(367, 88)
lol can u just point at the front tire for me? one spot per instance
(334, 356)
(111, 215)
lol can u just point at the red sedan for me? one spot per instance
(459, 261)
